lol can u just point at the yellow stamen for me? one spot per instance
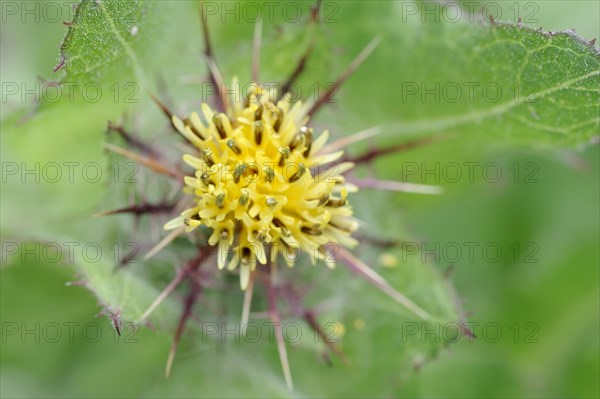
(256, 184)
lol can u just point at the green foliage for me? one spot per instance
(504, 82)
(110, 37)
(518, 87)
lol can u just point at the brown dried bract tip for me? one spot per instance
(116, 324)
(314, 11)
(467, 331)
(61, 63)
(114, 317)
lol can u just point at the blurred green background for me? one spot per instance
(536, 314)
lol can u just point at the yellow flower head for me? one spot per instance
(262, 183)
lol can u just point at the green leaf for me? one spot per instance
(126, 293)
(505, 82)
(109, 36)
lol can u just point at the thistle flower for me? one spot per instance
(257, 183)
(260, 189)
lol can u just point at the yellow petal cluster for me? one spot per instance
(262, 185)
